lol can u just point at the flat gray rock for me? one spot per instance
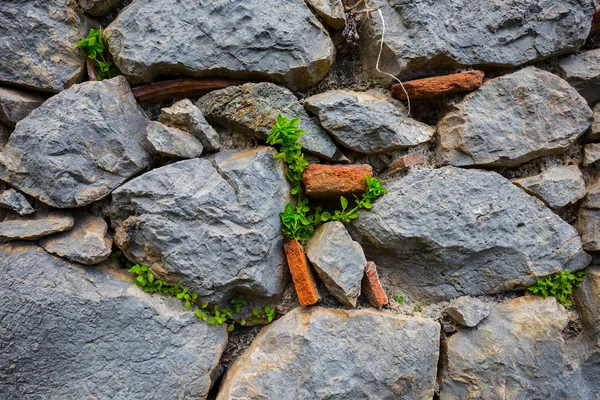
(186, 116)
(468, 311)
(98, 8)
(212, 225)
(582, 71)
(588, 226)
(35, 226)
(339, 261)
(332, 12)
(240, 39)
(556, 187)
(79, 145)
(449, 232)
(367, 122)
(86, 243)
(594, 133)
(17, 104)
(173, 142)
(513, 119)
(73, 332)
(37, 43)
(321, 353)
(252, 109)
(15, 201)
(591, 154)
(424, 35)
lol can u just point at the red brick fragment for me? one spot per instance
(335, 180)
(180, 88)
(400, 164)
(302, 273)
(371, 287)
(439, 85)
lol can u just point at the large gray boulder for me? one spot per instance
(320, 353)
(37, 43)
(444, 233)
(241, 39)
(211, 225)
(79, 145)
(582, 71)
(73, 332)
(367, 122)
(424, 35)
(557, 186)
(17, 104)
(513, 119)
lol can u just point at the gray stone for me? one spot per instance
(186, 116)
(588, 226)
(321, 353)
(98, 8)
(594, 133)
(339, 261)
(73, 332)
(449, 232)
(557, 186)
(513, 119)
(252, 109)
(79, 145)
(332, 12)
(592, 198)
(173, 142)
(37, 43)
(582, 71)
(5, 132)
(17, 104)
(212, 226)
(468, 311)
(367, 122)
(591, 154)
(425, 35)
(15, 201)
(86, 243)
(35, 226)
(240, 39)
(587, 300)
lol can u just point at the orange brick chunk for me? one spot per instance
(371, 287)
(406, 161)
(335, 180)
(439, 85)
(302, 274)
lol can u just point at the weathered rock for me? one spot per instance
(592, 198)
(173, 142)
(438, 85)
(15, 201)
(302, 274)
(175, 89)
(332, 12)
(582, 71)
(186, 116)
(468, 311)
(594, 133)
(87, 243)
(587, 299)
(252, 109)
(79, 145)
(588, 226)
(335, 180)
(76, 332)
(36, 226)
(449, 232)
(341, 275)
(37, 43)
(557, 186)
(371, 287)
(16, 105)
(513, 119)
(367, 122)
(591, 154)
(321, 353)
(166, 37)
(212, 226)
(98, 8)
(5, 132)
(420, 36)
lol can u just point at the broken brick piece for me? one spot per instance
(335, 180)
(439, 85)
(400, 164)
(302, 274)
(371, 287)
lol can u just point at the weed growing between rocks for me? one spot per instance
(93, 44)
(559, 286)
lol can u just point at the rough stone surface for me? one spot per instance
(591, 154)
(212, 225)
(592, 198)
(321, 353)
(468, 311)
(557, 186)
(37, 43)
(582, 71)
(167, 37)
(588, 226)
(587, 300)
(15, 201)
(186, 116)
(594, 133)
(335, 180)
(17, 104)
(36, 226)
(513, 119)
(439, 85)
(444, 233)
(98, 8)
(302, 274)
(79, 145)
(332, 12)
(77, 332)
(341, 275)
(86, 243)
(173, 142)
(5, 132)
(367, 122)
(371, 287)
(425, 35)
(252, 109)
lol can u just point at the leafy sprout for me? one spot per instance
(93, 44)
(559, 286)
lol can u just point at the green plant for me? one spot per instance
(258, 316)
(559, 285)
(399, 299)
(93, 44)
(238, 304)
(417, 309)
